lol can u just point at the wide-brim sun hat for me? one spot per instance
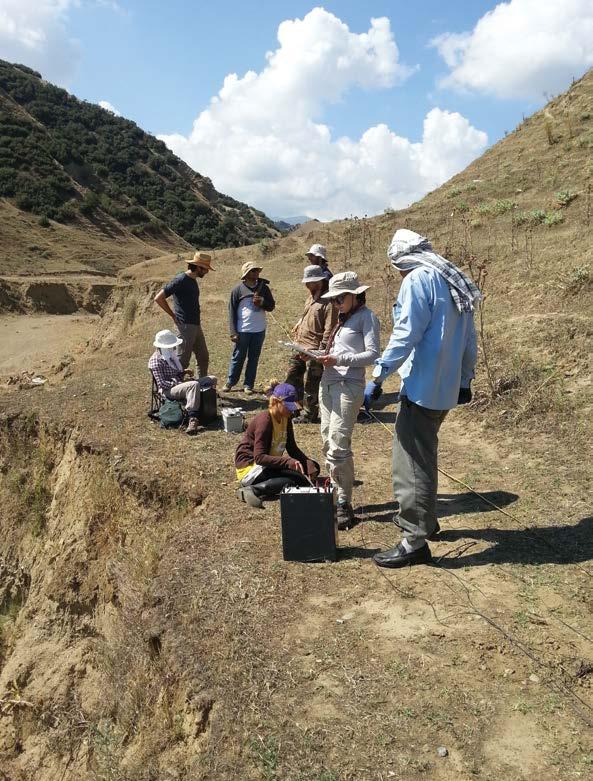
(250, 265)
(202, 260)
(166, 339)
(313, 274)
(287, 394)
(345, 282)
(318, 250)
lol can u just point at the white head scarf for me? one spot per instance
(170, 355)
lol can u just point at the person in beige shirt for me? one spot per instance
(312, 332)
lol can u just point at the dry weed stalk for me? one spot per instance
(479, 273)
(548, 125)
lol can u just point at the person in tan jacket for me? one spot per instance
(312, 332)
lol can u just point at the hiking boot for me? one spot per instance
(248, 391)
(226, 388)
(345, 516)
(246, 495)
(193, 427)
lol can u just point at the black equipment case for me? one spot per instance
(208, 411)
(308, 524)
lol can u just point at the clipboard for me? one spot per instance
(315, 354)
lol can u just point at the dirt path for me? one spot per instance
(33, 343)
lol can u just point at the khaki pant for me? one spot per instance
(339, 403)
(306, 376)
(187, 392)
(193, 342)
(414, 469)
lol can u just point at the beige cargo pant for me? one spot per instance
(339, 403)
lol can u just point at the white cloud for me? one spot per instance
(260, 139)
(521, 48)
(109, 107)
(33, 33)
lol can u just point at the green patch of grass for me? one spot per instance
(503, 205)
(553, 218)
(564, 197)
(266, 751)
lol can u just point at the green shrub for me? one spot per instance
(504, 205)
(44, 222)
(89, 203)
(553, 218)
(536, 215)
(564, 197)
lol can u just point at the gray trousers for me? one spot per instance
(415, 475)
(193, 342)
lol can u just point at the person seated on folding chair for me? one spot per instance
(170, 377)
(267, 458)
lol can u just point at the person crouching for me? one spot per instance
(170, 377)
(267, 458)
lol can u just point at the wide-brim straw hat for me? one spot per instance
(345, 282)
(166, 339)
(202, 260)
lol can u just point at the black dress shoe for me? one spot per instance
(399, 557)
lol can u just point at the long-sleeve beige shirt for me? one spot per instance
(313, 329)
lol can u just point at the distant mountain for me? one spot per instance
(292, 220)
(67, 160)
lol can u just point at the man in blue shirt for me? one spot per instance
(186, 312)
(433, 347)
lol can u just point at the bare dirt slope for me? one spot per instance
(151, 630)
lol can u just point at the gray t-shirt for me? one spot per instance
(356, 345)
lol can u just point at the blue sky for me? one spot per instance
(348, 115)
(162, 68)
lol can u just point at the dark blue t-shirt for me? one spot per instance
(186, 298)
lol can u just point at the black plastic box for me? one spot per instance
(208, 411)
(308, 525)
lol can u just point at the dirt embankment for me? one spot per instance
(58, 297)
(72, 608)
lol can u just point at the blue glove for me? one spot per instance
(372, 392)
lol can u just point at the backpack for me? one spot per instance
(170, 414)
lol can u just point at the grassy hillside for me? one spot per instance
(71, 162)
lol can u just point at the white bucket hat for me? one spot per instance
(313, 274)
(318, 250)
(166, 339)
(345, 282)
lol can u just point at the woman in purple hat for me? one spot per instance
(267, 458)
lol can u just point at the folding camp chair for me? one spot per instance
(155, 399)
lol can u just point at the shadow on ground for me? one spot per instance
(567, 544)
(447, 505)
